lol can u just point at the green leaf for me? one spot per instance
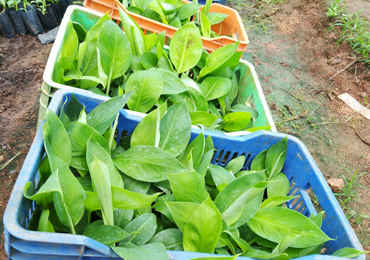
(186, 47)
(70, 44)
(73, 109)
(203, 229)
(215, 18)
(149, 60)
(154, 5)
(205, 26)
(144, 133)
(175, 129)
(275, 224)
(44, 195)
(122, 217)
(102, 116)
(57, 137)
(144, 227)
(217, 58)
(200, 101)
(44, 222)
(284, 244)
(146, 87)
(135, 185)
(275, 157)
(80, 30)
(95, 151)
(279, 186)
(150, 41)
(202, 118)
(259, 254)
(79, 135)
(244, 108)
(235, 165)
(187, 10)
(152, 251)
(207, 7)
(275, 201)
(102, 185)
(170, 238)
(161, 206)
(215, 87)
(176, 22)
(317, 219)
(141, 163)
(233, 198)
(205, 161)
(220, 175)
(181, 212)
(188, 187)
(258, 163)
(108, 235)
(196, 147)
(349, 252)
(115, 52)
(172, 84)
(236, 121)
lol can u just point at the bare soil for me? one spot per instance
(22, 63)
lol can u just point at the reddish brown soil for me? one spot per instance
(22, 63)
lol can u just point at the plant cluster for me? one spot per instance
(156, 191)
(105, 59)
(177, 13)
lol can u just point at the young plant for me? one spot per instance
(13, 4)
(157, 190)
(3, 4)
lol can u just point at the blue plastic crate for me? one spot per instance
(300, 169)
(203, 2)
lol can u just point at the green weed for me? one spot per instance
(336, 8)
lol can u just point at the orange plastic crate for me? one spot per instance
(232, 25)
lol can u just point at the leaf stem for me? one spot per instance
(157, 133)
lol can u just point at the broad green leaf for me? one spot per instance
(175, 129)
(249, 211)
(275, 224)
(207, 7)
(102, 185)
(147, 163)
(143, 4)
(279, 186)
(215, 18)
(196, 147)
(349, 252)
(259, 254)
(106, 234)
(172, 84)
(217, 58)
(209, 144)
(136, 63)
(70, 195)
(73, 109)
(146, 87)
(171, 239)
(149, 60)
(95, 150)
(186, 47)
(176, 22)
(205, 26)
(161, 206)
(203, 229)
(202, 118)
(70, 44)
(79, 135)
(144, 227)
(227, 69)
(187, 10)
(150, 41)
(152, 251)
(255, 129)
(200, 102)
(44, 222)
(317, 219)
(181, 212)
(215, 87)
(144, 133)
(205, 161)
(149, 13)
(80, 31)
(220, 175)
(275, 157)
(275, 201)
(155, 6)
(233, 198)
(136, 10)
(258, 163)
(284, 244)
(122, 217)
(169, 8)
(244, 108)
(235, 165)
(102, 116)
(188, 187)
(236, 121)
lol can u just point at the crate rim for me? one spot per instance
(12, 226)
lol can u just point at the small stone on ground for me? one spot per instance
(336, 185)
